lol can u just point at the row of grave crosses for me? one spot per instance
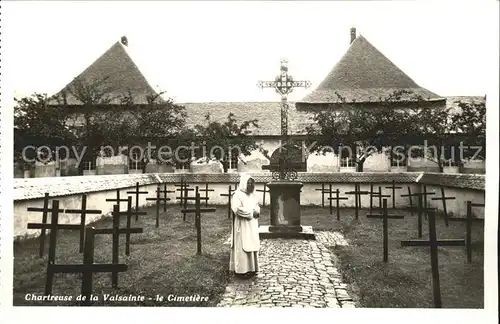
(88, 233)
(422, 209)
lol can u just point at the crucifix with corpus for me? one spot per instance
(283, 85)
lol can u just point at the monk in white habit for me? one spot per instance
(245, 241)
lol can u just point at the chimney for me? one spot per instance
(124, 40)
(353, 34)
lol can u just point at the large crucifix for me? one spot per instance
(284, 85)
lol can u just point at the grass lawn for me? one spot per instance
(406, 280)
(162, 261)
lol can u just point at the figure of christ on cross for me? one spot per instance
(283, 85)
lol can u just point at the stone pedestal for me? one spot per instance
(285, 211)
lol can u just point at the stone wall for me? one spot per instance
(69, 190)
(112, 165)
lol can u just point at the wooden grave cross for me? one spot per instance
(409, 195)
(181, 189)
(117, 200)
(378, 195)
(357, 197)
(197, 211)
(393, 188)
(425, 194)
(158, 199)
(322, 194)
(420, 208)
(83, 213)
(116, 231)
(53, 227)
(136, 192)
(338, 199)
(264, 194)
(183, 199)
(385, 217)
(87, 269)
(206, 190)
(165, 191)
(129, 213)
(45, 209)
(468, 221)
(433, 243)
(229, 194)
(443, 198)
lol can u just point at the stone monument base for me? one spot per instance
(277, 231)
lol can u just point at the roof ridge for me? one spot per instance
(364, 74)
(116, 70)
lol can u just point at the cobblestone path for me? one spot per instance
(293, 273)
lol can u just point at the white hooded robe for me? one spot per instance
(245, 242)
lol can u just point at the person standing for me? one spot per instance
(245, 242)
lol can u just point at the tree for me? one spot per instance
(38, 124)
(470, 124)
(362, 129)
(231, 137)
(110, 118)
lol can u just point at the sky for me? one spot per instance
(218, 51)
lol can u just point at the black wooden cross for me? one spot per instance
(117, 200)
(322, 194)
(264, 194)
(357, 197)
(425, 194)
(129, 213)
(87, 269)
(420, 208)
(443, 198)
(206, 190)
(468, 221)
(197, 211)
(165, 191)
(181, 189)
(409, 195)
(393, 188)
(136, 192)
(229, 194)
(158, 199)
(83, 213)
(116, 231)
(45, 209)
(53, 226)
(184, 198)
(433, 243)
(338, 199)
(385, 217)
(378, 195)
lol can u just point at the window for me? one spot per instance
(233, 162)
(347, 163)
(182, 165)
(88, 165)
(134, 163)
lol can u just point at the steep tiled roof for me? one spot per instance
(458, 180)
(116, 74)
(364, 75)
(267, 114)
